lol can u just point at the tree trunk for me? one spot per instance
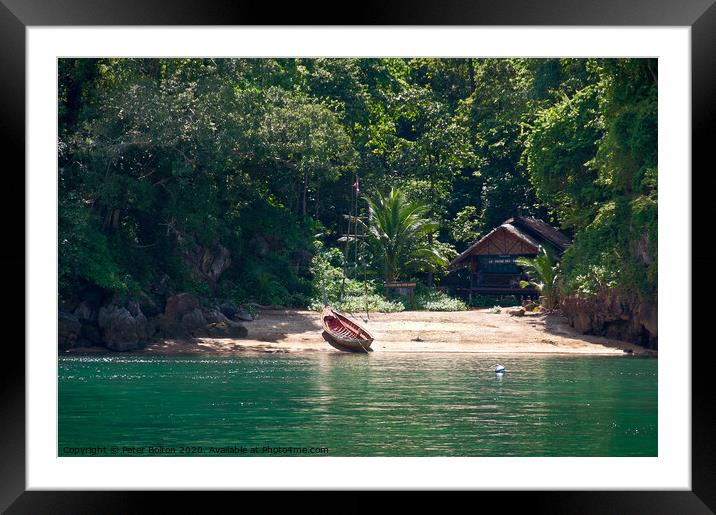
(471, 70)
(305, 191)
(430, 272)
(432, 200)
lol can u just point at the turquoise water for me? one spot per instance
(334, 404)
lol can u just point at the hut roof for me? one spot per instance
(514, 231)
(531, 231)
(541, 230)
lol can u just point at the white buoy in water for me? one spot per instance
(499, 369)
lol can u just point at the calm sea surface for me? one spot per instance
(358, 405)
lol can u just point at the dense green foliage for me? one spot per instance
(593, 159)
(233, 177)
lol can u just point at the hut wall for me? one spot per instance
(503, 243)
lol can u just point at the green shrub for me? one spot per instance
(357, 304)
(435, 300)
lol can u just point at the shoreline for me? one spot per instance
(477, 331)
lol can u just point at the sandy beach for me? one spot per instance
(412, 331)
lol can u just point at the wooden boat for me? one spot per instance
(344, 334)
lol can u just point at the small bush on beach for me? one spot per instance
(435, 300)
(357, 304)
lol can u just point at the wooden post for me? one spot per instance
(472, 276)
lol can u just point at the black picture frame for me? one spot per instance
(17, 15)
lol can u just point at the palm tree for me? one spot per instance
(543, 272)
(397, 232)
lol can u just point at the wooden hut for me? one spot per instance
(491, 260)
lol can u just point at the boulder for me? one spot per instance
(519, 312)
(68, 329)
(180, 304)
(121, 330)
(228, 309)
(244, 315)
(214, 316)
(162, 326)
(149, 307)
(225, 330)
(214, 261)
(193, 319)
(208, 263)
(85, 313)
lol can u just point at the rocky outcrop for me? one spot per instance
(228, 309)
(162, 326)
(122, 328)
(194, 319)
(121, 324)
(86, 313)
(68, 329)
(214, 316)
(179, 305)
(208, 263)
(614, 315)
(90, 334)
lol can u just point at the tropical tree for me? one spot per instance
(397, 231)
(543, 274)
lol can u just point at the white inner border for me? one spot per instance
(672, 468)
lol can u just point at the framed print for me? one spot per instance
(418, 252)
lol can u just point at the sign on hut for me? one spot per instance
(491, 260)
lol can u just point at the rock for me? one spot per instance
(68, 330)
(162, 286)
(180, 304)
(121, 330)
(194, 319)
(215, 261)
(228, 309)
(519, 312)
(91, 334)
(226, 330)
(147, 306)
(244, 315)
(531, 306)
(614, 314)
(648, 315)
(162, 326)
(84, 313)
(214, 316)
(208, 263)
(642, 249)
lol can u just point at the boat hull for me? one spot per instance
(361, 349)
(345, 334)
